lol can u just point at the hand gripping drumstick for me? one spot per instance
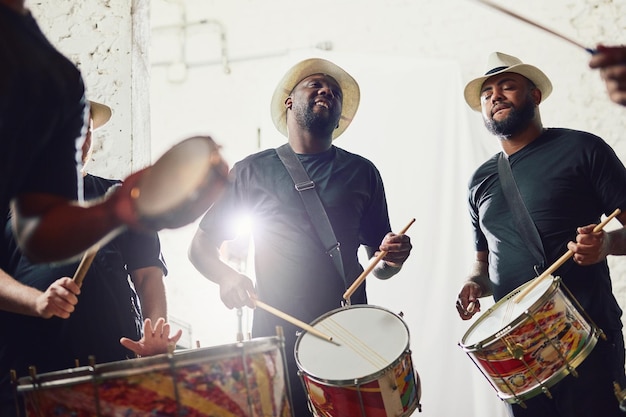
(560, 261)
(293, 320)
(84, 265)
(361, 278)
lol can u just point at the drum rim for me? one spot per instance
(128, 367)
(551, 289)
(362, 380)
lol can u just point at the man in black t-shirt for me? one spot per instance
(312, 105)
(122, 287)
(567, 180)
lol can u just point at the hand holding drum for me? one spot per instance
(181, 185)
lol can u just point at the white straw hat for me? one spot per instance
(308, 67)
(499, 63)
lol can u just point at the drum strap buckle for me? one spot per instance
(306, 185)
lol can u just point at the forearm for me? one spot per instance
(64, 230)
(206, 259)
(151, 291)
(17, 297)
(385, 271)
(480, 276)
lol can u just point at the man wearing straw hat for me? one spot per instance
(567, 180)
(106, 323)
(312, 105)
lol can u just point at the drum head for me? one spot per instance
(505, 312)
(175, 177)
(369, 339)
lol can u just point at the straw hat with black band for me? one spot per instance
(499, 63)
(349, 87)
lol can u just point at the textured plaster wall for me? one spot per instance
(107, 40)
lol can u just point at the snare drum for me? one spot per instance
(524, 346)
(245, 379)
(181, 185)
(368, 371)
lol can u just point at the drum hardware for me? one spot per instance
(498, 355)
(598, 331)
(620, 394)
(246, 378)
(370, 267)
(547, 340)
(364, 372)
(239, 324)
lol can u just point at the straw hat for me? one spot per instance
(303, 69)
(499, 63)
(100, 114)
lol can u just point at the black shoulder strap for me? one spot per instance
(524, 222)
(313, 205)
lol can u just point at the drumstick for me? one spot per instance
(535, 24)
(371, 266)
(560, 261)
(293, 320)
(84, 265)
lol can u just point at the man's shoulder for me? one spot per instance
(571, 134)
(353, 157)
(258, 157)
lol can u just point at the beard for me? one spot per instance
(322, 123)
(515, 122)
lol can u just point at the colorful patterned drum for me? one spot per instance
(524, 346)
(368, 372)
(245, 379)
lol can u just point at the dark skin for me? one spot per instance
(500, 95)
(313, 111)
(611, 60)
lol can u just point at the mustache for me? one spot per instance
(501, 106)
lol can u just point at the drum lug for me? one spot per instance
(546, 391)
(620, 394)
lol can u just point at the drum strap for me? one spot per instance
(524, 222)
(313, 205)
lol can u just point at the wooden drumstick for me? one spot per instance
(84, 264)
(293, 320)
(373, 263)
(560, 261)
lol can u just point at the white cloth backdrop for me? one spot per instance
(414, 125)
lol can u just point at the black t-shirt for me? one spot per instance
(43, 113)
(293, 271)
(107, 309)
(567, 179)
